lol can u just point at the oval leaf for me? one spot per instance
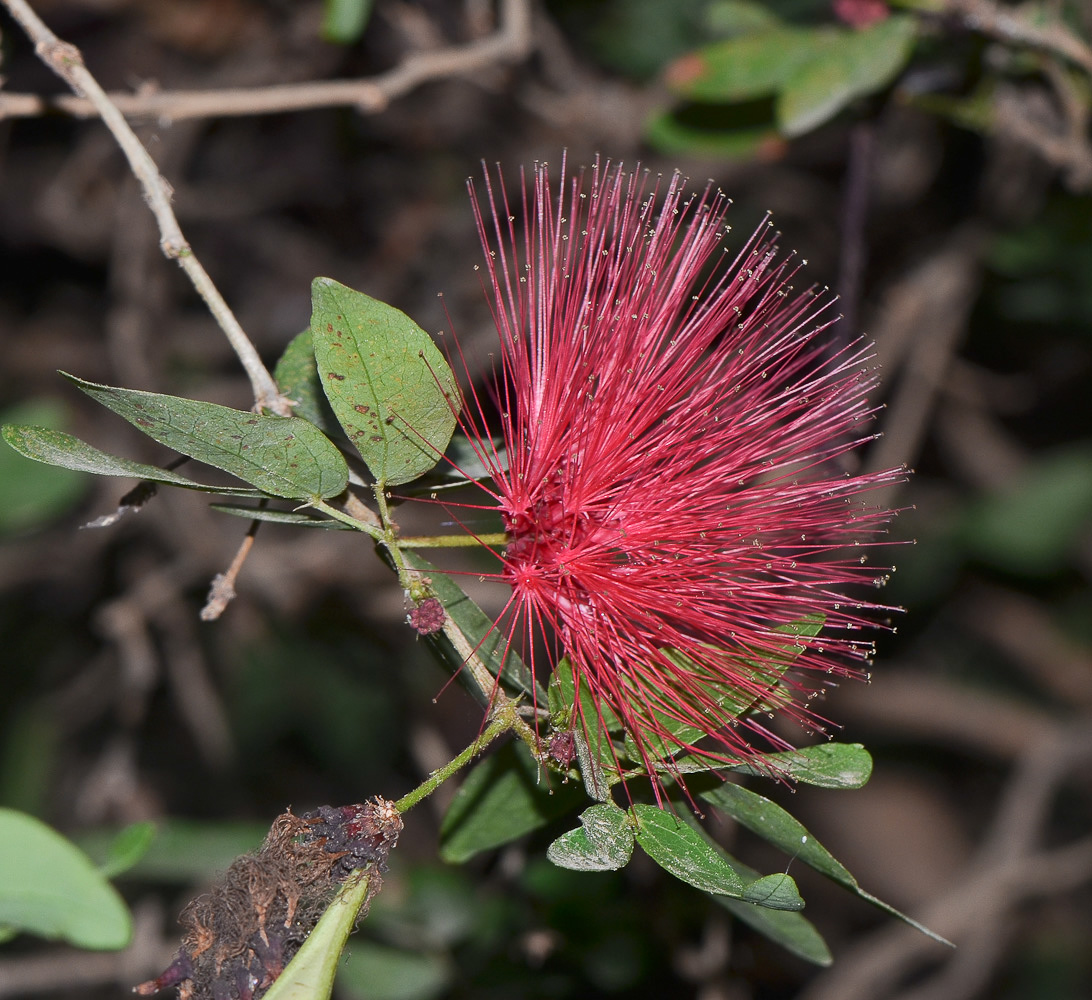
(781, 829)
(127, 848)
(296, 376)
(788, 928)
(49, 887)
(743, 68)
(701, 133)
(284, 456)
(389, 386)
(774, 824)
(57, 448)
(854, 64)
(574, 851)
(32, 495)
(343, 21)
(604, 841)
(776, 892)
(681, 850)
(826, 765)
(310, 974)
(766, 669)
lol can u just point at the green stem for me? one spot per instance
(452, 541)
(502, 706)
(501, 724)
(352, 522)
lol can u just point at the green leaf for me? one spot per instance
(603, 842)
(371, 971)
(827, 765)
(739, 17)
(593, 757)
(389, 386)
(284, 456)
(637, 37)
(344, 21)
(480, 630)
(297, 377)
(745, 67)
(764, 669)
(777, 892)
(768, 667)
(49, 887)
(128, 848)
(184, 851)
(30, 741)
(788, 928)
(464, 464)
(772, 823)
(57, 448)
(573, 850)
(850, 65)
(299, 519)
(310, 975)
(781, 829)
(562, 695)
(684, 131)
(976, 111)
(1033, 526)
(814, 72)
(503, 798)
(31, 495)
(561, 691)
(682, 851)
(591, 726)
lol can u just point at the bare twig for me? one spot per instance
(978, 907)
(854, 253)
(510, 43)
(128, 621)
(1011, 24)
(1022, 628)
(1020, 116)
(908, 702)
(69, 969)
(67, 62)
(222, 591)
(921, 324)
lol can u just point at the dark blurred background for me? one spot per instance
(949, 206)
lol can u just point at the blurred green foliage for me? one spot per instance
(320, 706)
(31, 494)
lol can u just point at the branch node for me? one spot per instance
(175, 248)
(59, 56)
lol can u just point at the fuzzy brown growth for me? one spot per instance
(239, 936)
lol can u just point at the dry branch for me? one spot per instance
(510, 43)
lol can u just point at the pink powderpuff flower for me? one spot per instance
(676, 426)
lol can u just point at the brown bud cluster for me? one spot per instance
(239, 936)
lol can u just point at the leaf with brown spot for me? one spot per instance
(388, 384)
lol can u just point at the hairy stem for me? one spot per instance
(453, 541)
(500, 724)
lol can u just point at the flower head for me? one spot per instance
(676, 425)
